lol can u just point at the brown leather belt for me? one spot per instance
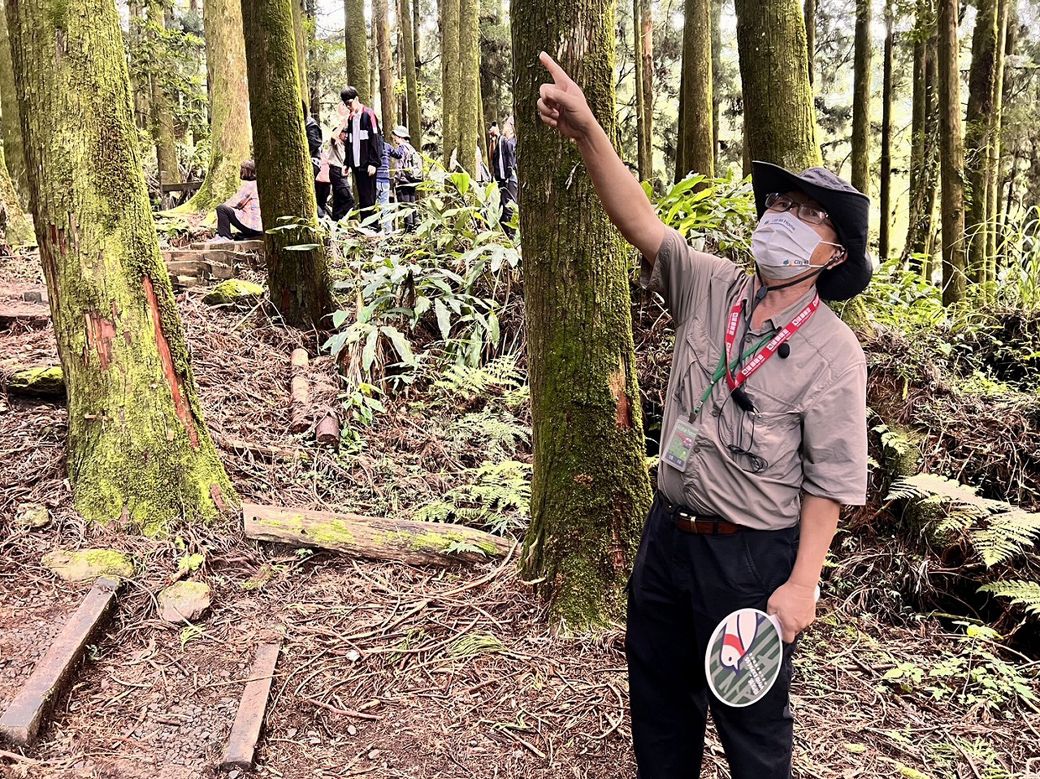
(688, 521)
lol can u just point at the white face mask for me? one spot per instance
(783, 245)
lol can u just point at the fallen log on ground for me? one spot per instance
(374, 538)
(299, 392)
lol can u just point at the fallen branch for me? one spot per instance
(299, 392)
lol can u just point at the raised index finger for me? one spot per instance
(558, 74)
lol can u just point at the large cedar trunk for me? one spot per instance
(300, 36)
(977, 136)
(779, 118)
(951, 153)
(229, 103)
(861, 99)
(381, 26)
(411, 79)
(138, 447)
(884, 239)
(12, 132)
(298, 278)
(590, 489)
(698, 147)
(356, 42)
(470, 112)
(162, 109)
(450, 77)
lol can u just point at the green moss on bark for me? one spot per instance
(11, 121)
(469, 82)
(590, 490)
(450, 77)
(356, 41)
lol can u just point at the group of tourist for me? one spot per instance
(357, 146)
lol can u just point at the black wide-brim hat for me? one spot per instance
(849, 211)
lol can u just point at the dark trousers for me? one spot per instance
(321, 194)
(228, 217)
(406, 194)
(342, 197)
(366, 190)
(682, 586)
(508, 200)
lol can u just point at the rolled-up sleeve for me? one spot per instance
(834, 439)
(679, 274)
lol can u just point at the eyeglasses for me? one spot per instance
(776, 201)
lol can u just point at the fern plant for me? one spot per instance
(496, 496)
(1019, 592)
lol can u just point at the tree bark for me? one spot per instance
(14, 151)
(643, 38)
(162, 106)
(779, 117)
(300, 36)
(977, 138)
(355, 37)
(1010, 41)
(590, 489)
(230, 137)
(15, 227)
(696, 126)
(993, 167)
(298, 278)
(717, 86)
(924, 138)
(680, 157)
(381, 28)
(861, 99)
(138, 448)
(951, 152)
(310, 14)
(810, 37)
(884, 244)
(411, 77)
(450, 77)
(637, 57)
(469, 84)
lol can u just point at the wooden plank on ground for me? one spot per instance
(246, 730)
(375, 538)
(21, 722)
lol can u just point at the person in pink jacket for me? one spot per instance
(242, 210)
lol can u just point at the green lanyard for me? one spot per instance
(720, 371)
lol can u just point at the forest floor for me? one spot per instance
(389, 670)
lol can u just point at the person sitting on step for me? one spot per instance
(241, 210)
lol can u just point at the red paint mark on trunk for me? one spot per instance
(623, 415)
(218, 497)
(100, 332)
(180, 401)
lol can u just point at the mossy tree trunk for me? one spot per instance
(381, 26)
(298, 277)
(161, 103)
(809, 13)
(15, 227)
(637, 57)
(450, 77)
(590, 489)
(951, 153)
(924, 139)
(996, 126)
(470, 112)
(642, 30)
(718, 86)
(698, 147)
(229, 103)
(300, 35)
(864, 48)
(14, 151)
(779, 118)
(138, 448)
(680, 160)
(977, 136)
(356, 40)
(884, 238)
(140, 87)
(411, 76)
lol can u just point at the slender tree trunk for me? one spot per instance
(450, 77)
(993, 167)
(977, 138)
(951, 151)
(313, 77)
(162, 107)
(680, 157)
(1010, 41)
(411, 77)
(932, 161)
(469, 83)
(298, 277)
(138, 447)
(12, 131)
(381, 27)
(646, 21)
(717, 87)
(637, 57)
(229, 137)
(810, 37)
(15, 227)
(416, 27)
(698, 145)
(884, 247)
(779, 117)
(861, 99)
(586, 511)
(923, 138)
(355, 36)
(300, 35)
(373, 65)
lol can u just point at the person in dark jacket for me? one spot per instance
(407, 174)
(321, 190)
(503, 168)
(362, 147)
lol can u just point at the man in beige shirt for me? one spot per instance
(763, 441)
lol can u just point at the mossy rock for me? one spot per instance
(32, 516)
(48, 381)
(235, 292)
(184, 601)
(88, 564)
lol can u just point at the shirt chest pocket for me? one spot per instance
(772, 444)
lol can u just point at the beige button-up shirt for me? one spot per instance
(808, 432)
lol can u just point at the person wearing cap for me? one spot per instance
(763, 440)
(407, 174)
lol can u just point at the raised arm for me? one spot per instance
(562, 105)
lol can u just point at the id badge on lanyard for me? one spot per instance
(680, 444)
